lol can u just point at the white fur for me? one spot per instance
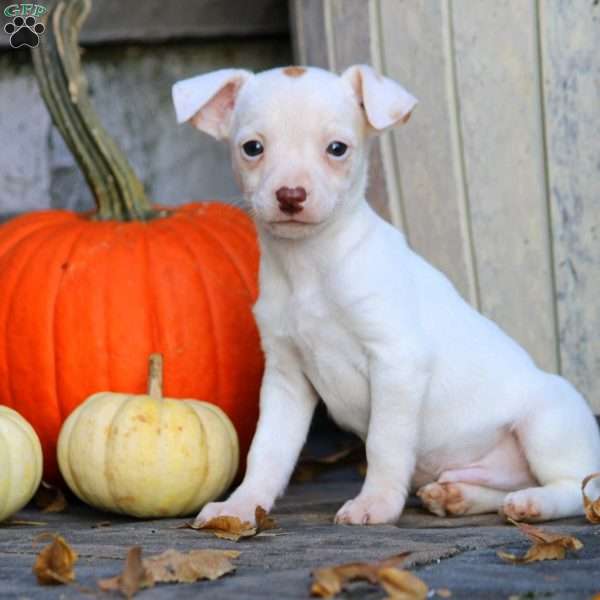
(349, 313)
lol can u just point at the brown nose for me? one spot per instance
(290, 199)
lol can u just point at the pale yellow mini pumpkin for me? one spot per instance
(20, 462)
(145, 455)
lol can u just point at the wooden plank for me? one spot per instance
(570, 47)
(427, 149)
(498, 87)
(351, 44)
(308, 33)
(334, 34)
(159, 21)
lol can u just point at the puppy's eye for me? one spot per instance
(337, 149)
(253, 148)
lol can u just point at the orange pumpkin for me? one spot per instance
(84, 299)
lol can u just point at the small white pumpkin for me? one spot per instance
(145, 455)
(20, 462)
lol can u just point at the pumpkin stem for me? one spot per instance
(118, 193)
(155, 376)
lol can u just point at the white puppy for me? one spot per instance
(446, 402)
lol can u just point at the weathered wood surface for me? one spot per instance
(496, 177)
(428, 159)
(498, 88)
(455, 554)
(158, 21)
(570, 47)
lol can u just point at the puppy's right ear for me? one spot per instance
(208, 100)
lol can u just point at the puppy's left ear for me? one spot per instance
(208, 101)
(385, 102)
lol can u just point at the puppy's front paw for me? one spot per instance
(243, 508)
(368, 510)
(524, 505)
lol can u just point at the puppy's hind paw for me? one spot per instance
(443, 499)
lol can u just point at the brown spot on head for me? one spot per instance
(294, 71)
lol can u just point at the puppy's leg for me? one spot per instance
(287, 403)
(561, 442)
(456, 498)
(396, 393)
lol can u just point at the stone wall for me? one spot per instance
(130, 86)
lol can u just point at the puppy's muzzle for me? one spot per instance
(290, 199)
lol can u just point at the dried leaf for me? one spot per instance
(329, 581)
(22, 523)
(229, 528)
(50, 499)
(133, 578)
(443, 593)
(233, 528)
(402, 585)
(591, 507)
(54, 564)
(169, 567)
(310, 467)
(546, 545)
(263, 521)
(187, 567)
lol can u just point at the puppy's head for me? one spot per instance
(299, 137)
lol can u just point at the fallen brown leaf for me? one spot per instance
(402, 585)
(55, 563)
(263, 521)
(169, 567)
(310, 467)
(329, 581)
(591, 507)
(228, 528)
(233, 528)
(133, 578)
(174, 566)
(22, 523)
(546, 545)
(50, 498)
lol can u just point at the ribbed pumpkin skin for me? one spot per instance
(20, 462)
(147, 457)
(83, 304)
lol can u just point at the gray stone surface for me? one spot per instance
(457, 554)
(131, 90)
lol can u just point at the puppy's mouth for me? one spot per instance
(293, 222)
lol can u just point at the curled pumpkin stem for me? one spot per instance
(118, 193)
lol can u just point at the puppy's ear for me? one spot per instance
(385, 102)
(208, 100)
